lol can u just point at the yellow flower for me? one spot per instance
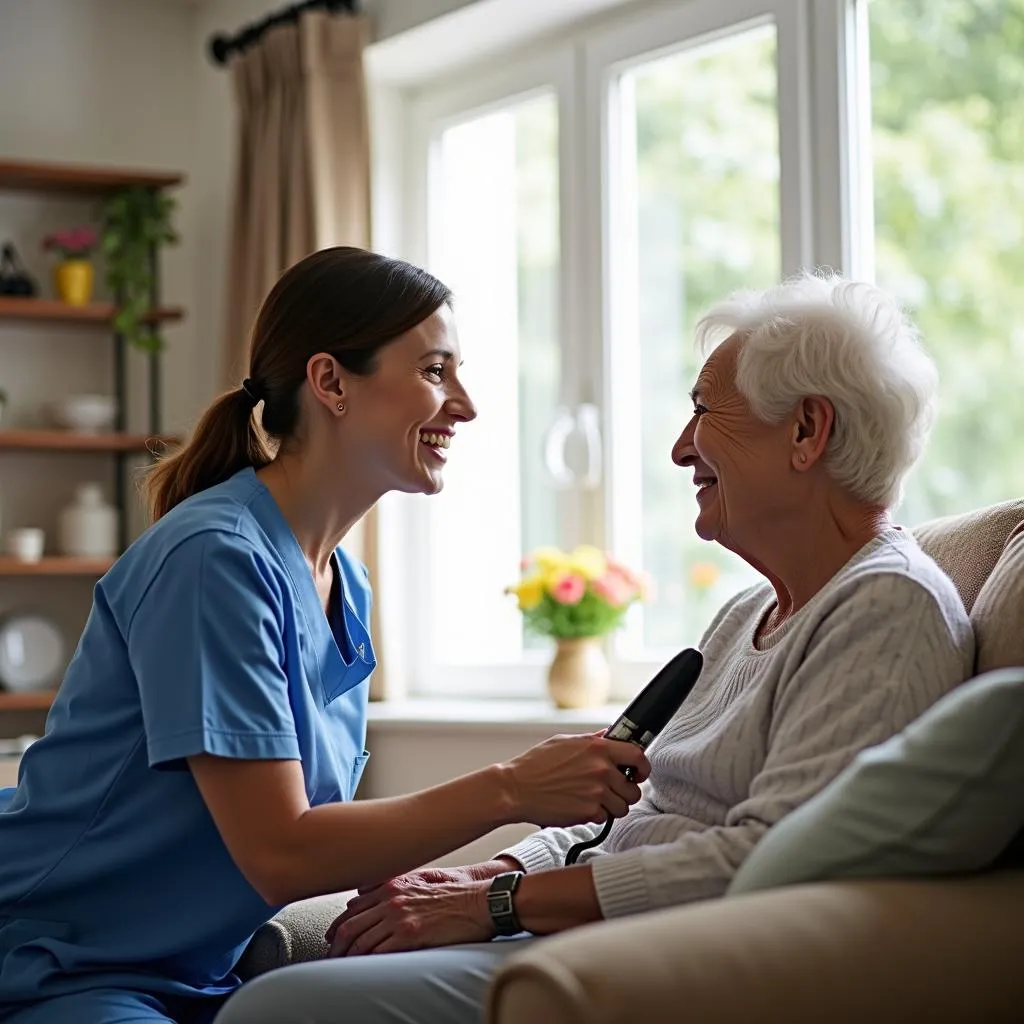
(528, 592)
(588, 562)
(704, 575)
(549, 559)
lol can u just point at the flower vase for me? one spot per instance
(73, 280)
(579, 676)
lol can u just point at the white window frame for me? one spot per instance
(822, 106)
(428, 113)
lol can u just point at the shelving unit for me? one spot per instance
(69, 179)
(56, 565)
(53, 311)
(38, 701)
(97, 182)
(120, 444)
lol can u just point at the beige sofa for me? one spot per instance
(836, 953)
(885, 952)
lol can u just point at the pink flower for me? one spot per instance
(624, 573)
(613, 588)
(569, 589)
(72, 242)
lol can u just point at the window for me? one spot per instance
(588, 200)
(493, 194)
(492, 205)
(696, 214)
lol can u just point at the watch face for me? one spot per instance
(501, 902)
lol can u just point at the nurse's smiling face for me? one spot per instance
(402, 418)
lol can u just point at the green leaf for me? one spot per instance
(135, 220)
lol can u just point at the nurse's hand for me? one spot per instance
(569, 780)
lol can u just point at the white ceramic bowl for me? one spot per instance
(86, 414)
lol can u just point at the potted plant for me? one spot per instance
(577, 598)
(73, 273)
(136, 222)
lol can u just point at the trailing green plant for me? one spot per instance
(136, 223)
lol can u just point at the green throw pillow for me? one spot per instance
(946, 795)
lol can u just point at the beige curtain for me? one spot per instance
(302, 183)
(302, 179)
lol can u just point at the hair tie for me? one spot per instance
(253, 390)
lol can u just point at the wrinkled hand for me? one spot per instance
(426, 908)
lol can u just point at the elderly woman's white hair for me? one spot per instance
(849, 342)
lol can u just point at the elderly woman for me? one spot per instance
(813, 403)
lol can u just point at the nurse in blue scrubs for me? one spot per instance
(199, 762)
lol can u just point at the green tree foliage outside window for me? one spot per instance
(948, 146)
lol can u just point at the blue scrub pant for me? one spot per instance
(431, 986)
(114, 1006)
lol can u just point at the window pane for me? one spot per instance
(696, 215)
(947, 94)
(494, 239)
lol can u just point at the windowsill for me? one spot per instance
(445, 714)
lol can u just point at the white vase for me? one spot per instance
(88, 526)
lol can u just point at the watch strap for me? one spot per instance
(500, 903)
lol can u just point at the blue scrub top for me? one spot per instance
(207, 636)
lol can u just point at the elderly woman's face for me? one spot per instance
(740, 465)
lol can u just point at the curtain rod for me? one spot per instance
(221, 46)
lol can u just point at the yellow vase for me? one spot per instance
(72, 280)
(579, 675)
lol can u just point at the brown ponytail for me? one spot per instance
(225, 441)
(344, 301)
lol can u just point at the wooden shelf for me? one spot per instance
(53, 311)
(71, 179)
(68, 441)
(55, 566)
(38, 701)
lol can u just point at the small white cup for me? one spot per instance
(26, 544)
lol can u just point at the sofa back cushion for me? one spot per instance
(998, 614)
(983, 553)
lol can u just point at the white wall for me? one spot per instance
(109, 82)
(393, 16)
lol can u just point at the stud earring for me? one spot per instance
(803, 457)
(341, 407)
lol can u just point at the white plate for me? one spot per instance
(31, 653)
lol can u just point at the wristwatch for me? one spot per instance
(499, 903)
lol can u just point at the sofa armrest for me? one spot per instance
(293, 936)
(846, 952)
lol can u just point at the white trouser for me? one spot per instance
(431, 986)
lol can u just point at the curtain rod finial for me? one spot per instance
(219, 47)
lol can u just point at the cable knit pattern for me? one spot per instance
(769, 725)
